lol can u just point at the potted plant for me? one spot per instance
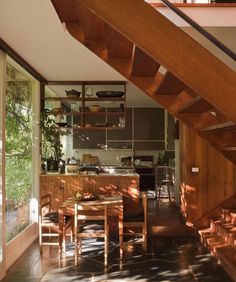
(51, 141)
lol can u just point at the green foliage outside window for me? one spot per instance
(18, 142)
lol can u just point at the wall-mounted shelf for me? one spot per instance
(76, 112)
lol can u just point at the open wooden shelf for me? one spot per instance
(85, 116)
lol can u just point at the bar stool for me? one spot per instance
(163, 183)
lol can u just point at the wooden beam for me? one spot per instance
(78, 82)
(197, 105)
(170, 85)
(190, 62)
(143, 65)
(15, 56)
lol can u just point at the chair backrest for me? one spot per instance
(92, 213)
(45, 204)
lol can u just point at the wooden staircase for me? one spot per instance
(162, 60)
(220, 239)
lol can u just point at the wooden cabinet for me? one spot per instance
(93, 109)
(170, 132)
(89, 139)
(149, 124)
(149, 129)
(121, 139)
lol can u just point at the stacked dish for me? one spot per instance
(112, 94)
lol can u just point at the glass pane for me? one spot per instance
(2, 70)
(18, 151)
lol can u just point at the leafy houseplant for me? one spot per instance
(51, 142)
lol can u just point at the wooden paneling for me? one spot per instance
(214, 182)
(64, 186)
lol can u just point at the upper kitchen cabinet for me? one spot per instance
(89, 139)
(149, 129)
(149, 124)
(170, 132)
(126, 132)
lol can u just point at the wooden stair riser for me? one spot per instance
(226, 231)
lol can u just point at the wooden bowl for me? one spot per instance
(94, 108)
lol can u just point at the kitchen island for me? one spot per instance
(62, 186)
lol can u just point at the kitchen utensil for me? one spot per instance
(110, 93)
(72, 93)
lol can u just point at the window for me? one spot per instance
(19, 126)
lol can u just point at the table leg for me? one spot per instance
(121, 231)
(76, 235)
(61, 231)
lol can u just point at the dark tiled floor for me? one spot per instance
(173, 258)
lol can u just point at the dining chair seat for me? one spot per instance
(53, 217)
(136, 216)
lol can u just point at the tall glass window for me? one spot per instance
(2, 95)
(19, 170)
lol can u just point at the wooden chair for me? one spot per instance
(91, 222)
(48, 224)
(135, 224)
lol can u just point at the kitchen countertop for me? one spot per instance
(91, 174)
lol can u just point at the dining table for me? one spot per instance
(114, 206)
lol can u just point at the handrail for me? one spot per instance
(201, 30)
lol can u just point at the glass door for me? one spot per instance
(2, 162)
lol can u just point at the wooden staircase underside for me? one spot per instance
(162, 60)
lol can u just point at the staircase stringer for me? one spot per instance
(148, 85)
(173, 48)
